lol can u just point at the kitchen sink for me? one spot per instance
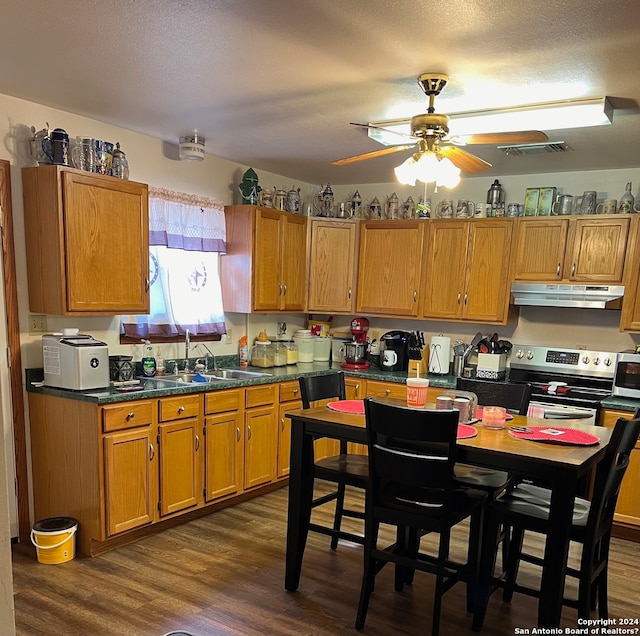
(215, 376)
(189, 377)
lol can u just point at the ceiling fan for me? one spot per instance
(430, 133)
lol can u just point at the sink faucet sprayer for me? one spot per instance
(208, 356)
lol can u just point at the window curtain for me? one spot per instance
(186, 236)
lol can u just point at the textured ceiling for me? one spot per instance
(274, 84)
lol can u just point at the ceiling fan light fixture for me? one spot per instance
(428, 168)
(191, 147)
(583, 113)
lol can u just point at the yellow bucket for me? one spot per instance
(54, 539)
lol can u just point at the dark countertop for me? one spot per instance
(620, 403)
(156, 387)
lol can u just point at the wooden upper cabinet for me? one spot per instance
(630, 315)
(265, 267)
(332, 266)
(578, 250)
(466, 269)
(87, 242)
(390, 266)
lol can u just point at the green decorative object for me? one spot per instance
(249, 187)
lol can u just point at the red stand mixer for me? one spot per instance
(355, 352)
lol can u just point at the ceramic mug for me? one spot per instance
(481, 209)
(465, 209)
(513, 209)
(444, 209)
(587, 202)
(608, 206)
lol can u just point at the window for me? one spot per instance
(186, 236)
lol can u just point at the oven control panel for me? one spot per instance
(575, 361)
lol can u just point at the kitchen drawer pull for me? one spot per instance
(197, 442)
(130, 415)
(237, 434)
(459, 297)
(466, 295)
(387, 391)
(295, 391)
(248, 432)
(152, 452)
(558, 270)
(573, 270)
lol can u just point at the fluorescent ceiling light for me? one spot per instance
(551, 116)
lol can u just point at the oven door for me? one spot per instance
(550, 411)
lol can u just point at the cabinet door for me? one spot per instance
(332, 264)
(355, 388)
(486, 289)
(260, 451)
(266, 260)
(630, 315)
(445, 269)
(130, 476)
(597, 251)
(180, 465)
(106, 240)
(224, 454)
(284, 437)
(390, 265)
(293, 270)
(539, 249)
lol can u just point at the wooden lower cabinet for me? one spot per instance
(289, 401)
(223, 426)
(627, 516)
(260, 435)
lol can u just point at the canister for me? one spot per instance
(304, 342)
(321, 349)
(279, 354)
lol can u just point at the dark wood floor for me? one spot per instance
(223, 574)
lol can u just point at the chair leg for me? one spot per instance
(337, 519)
(505, 534)
(443, 553)
(403, 547)
(476, 524)
(513, 561)
(368, 575)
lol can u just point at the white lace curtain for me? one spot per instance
(186, 235)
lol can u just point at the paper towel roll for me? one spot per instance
(439, 355)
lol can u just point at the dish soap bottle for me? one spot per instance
(160, 370)
(243, 352)
(626, 201)
(148, 361)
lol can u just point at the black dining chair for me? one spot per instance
(344, 469)
(412, 487)
(526, 508)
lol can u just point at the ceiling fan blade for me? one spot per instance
(520, 137)
(463, 159)
(382, 128)
(371, 155)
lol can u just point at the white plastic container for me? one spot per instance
(304, 341)
(321, 349)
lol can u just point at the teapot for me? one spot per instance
(280, 200)
(292, 203)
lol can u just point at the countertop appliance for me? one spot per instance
(77, 362)
(626, 381)
(567, 383)
(393, 351)
(355, 352)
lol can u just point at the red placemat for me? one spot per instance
(465, 431)
(348, 406)
(556, 435)
(479, 415)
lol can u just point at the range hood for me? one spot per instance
(549, 295)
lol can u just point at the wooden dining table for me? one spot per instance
(561, 466)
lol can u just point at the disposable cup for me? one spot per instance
(417, 392)
(494, 416)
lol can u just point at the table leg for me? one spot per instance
(300, 497)
(556, 550)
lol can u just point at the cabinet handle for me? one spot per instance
(295, 391)
(237, 434)
(131, 415)
(285, 290)
(282, 424)
(573, 270)
(387, 391)
(152, 452)
(280, 289)
(349, 295)
(197, 442)
(357, 388)
(146, 285)
(558, 270)
(415, 295)
(248, 432)
(181, 409)
(465, 297)
(459, 297)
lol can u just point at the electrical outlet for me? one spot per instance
(228, 338)
(37, 324)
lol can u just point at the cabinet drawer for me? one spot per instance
(179, 407)
(223, 401)
(127, 415)
(263, 395)
(289, 391)
(386, 389)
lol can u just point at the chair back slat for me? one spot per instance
(510, 395)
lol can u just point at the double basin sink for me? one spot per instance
(219, 375)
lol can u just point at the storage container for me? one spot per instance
(304, 342)
(321, 349)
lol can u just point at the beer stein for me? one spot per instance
(280, 200)
(84, 154)
(56, 147)
(35, 144)
(293, 201)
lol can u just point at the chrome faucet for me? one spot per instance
(208, 356)
(187, 342)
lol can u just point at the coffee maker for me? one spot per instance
(355, 352)
(393, 351)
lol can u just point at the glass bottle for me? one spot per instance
(626, 201)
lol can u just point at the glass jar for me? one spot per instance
(262, 354)
(292, 352)
(279, 354)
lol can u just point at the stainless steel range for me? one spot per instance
(567, 383)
